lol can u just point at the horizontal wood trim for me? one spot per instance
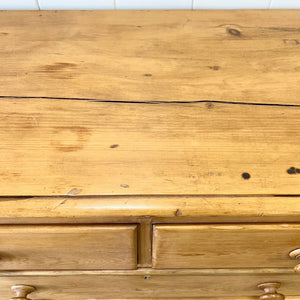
(238, 55)
(176, 208)
(132, 287)
(210, 298)
(60, 147)
(81, 247)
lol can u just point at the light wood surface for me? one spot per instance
(69, 147)
(140, 207)
(52, 247)
(210, 298)
(21, 291)
(131, 287)
(95, 140)
(144, 209)
(225, 246)
(194, 298)
(243, 56)
(144, 247)
(147, 118)
(151, 271)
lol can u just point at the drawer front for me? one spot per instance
(225, 246)
(167, 286)
(68, 247)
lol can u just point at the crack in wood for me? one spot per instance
(154, 102)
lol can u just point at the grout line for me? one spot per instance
(38, 4)
(115, 4)
(270, 3)
(193, 2)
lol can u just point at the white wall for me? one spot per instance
(147, 4)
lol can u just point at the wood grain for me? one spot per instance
(144, 240)
(148, 111)
(210, 298)
(225, 245)
(150, 272)
(69, 147)
(139, 209)
(243, 56)
(52, 247)
(161, 287)
(194, 298)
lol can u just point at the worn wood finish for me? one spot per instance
(270, 291)
(152, 272)
(60, 147)
(22, 291)
(225, 246)
(142, 118)
(243, 56)
(132, 287)
(138, 207)
(194, 298)
(210, 298)
(52, 247)
(144, 242)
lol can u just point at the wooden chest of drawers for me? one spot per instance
(150, 155)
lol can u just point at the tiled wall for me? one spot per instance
(147, 4)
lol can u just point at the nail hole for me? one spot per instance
(125, 186)
(114, 146)
(246, 175)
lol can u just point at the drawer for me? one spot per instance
(162, 286)
(225, 246)
(68, 247)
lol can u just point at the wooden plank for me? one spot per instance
(144, 242)
(248, 56)
(225, 246)
(68, 147)
(136, 208)
(135, 287)
(43, 247)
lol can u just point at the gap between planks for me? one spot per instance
(153, 102)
